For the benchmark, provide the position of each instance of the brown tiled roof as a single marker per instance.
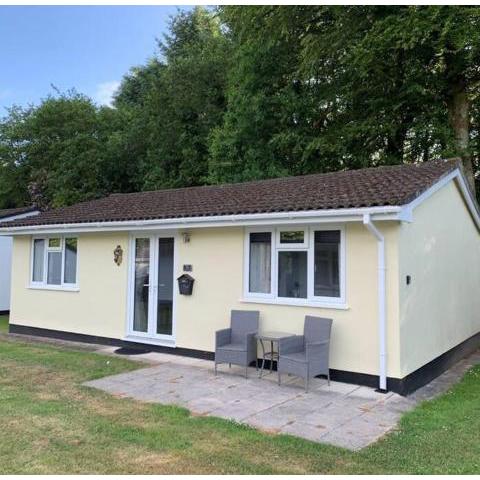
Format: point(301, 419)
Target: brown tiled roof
point(11, 212)
point(381, 186)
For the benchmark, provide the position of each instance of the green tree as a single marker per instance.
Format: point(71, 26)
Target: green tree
point(375, 85)
point(175, 100)
point(55, 154)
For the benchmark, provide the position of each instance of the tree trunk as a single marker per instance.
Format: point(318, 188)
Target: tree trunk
point(459, 114)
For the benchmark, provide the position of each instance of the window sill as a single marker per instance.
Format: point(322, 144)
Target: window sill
point(295, 303)
point(61, 288)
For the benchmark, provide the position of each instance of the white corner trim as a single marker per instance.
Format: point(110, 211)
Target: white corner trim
point(406, 214)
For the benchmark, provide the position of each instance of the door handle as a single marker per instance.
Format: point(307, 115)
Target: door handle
point(146, 284)
point(161, 284)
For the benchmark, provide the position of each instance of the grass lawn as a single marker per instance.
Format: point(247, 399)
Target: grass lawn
point(51, 424)
point(3, 323)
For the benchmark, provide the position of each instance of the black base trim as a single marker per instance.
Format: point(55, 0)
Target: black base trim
point(80, 337)
point(435, 367)
point(4, 312)
point(403, 386)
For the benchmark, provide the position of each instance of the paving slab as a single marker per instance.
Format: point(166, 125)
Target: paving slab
point(340, 414)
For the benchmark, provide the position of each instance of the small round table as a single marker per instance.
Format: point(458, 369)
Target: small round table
point(272, 337)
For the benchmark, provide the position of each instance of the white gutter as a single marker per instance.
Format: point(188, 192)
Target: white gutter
point(276, 218)
point(382, 314)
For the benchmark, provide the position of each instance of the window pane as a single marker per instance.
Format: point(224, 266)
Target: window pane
point(53, 243)
point(327, 272)
point(54, 272)
point(292, 274)
point(38, 259)
point(70, 260)
point(292, 237)
point(260, 262)
point(142, 284)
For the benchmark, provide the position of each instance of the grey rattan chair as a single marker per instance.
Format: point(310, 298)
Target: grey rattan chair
point(306, 355)
point(238, 344)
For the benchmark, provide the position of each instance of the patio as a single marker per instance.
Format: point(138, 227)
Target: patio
point(341, 414)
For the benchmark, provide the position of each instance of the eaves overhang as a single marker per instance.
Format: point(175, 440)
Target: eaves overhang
point(247, 220)
point(402, 213)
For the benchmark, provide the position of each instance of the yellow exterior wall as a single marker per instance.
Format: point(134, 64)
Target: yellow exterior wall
point(440, 250)
point(217, 259)
point(216, 254)
point(99, 308)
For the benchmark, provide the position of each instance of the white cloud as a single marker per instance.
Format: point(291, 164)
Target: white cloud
point(105, 91)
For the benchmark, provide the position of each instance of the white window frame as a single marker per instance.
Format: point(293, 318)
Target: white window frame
point(43, 285)
point(309, 247)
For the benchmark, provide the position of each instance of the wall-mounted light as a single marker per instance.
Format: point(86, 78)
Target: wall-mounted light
point(186, 237)
point(118, 255)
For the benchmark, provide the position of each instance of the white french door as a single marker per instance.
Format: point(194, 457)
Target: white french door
point(152, 271)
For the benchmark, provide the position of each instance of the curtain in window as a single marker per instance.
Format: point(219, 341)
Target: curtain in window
point(38, 259)
point(260, 262)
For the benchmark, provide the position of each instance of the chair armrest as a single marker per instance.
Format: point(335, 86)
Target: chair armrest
point(223, 337)
point(292, 344)
point(314, 349)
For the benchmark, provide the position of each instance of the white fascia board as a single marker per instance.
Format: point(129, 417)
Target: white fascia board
point(278, 218)
point(456, 175)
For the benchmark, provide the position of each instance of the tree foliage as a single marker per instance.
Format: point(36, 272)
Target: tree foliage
point(243, 93)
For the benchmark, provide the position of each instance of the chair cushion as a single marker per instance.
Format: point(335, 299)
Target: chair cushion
point(235, 347)
point(295, 357)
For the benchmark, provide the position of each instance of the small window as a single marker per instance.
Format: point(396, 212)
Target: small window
point(260, 262)
point(54, 243)
point(54, 262)
point(292, 237)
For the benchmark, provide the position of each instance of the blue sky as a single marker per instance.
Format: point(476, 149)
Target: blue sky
point(88, 48)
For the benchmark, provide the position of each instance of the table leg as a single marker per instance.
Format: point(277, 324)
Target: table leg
point(271, 356)
point(263, 357)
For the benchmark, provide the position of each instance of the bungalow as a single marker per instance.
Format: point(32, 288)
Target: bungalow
point(391, 254)
point(7, 215)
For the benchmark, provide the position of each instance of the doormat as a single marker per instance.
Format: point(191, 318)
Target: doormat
point(130, 351)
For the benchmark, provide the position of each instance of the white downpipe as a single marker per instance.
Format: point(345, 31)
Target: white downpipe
point(382, 314)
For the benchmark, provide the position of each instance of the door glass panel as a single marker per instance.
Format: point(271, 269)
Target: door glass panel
point(142, 276)
point(165, 286)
